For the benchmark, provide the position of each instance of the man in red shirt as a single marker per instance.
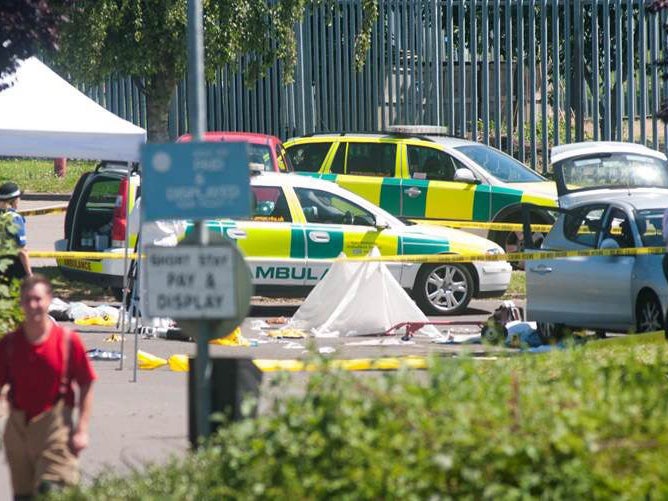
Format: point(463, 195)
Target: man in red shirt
point(39, 361)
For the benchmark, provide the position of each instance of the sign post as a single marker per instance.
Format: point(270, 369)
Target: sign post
point(207, 287)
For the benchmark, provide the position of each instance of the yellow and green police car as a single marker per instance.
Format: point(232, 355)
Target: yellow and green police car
point(427, 177)
point(300, 225)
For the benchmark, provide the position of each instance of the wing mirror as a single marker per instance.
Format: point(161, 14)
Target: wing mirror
point(381, 223)
point(464, 175)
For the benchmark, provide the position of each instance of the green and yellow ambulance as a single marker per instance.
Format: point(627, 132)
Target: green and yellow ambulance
point(300, 225)
point(428, 178)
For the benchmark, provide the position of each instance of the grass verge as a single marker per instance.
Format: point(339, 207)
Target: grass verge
point(517, 286)
point(73, 290)
point(37, 176)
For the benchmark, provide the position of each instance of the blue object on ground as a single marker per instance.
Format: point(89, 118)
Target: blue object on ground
point(98, 354)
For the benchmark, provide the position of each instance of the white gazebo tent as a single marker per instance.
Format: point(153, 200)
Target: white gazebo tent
point(43, 116)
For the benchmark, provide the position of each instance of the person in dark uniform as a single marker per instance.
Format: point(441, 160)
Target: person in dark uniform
point(12, 235)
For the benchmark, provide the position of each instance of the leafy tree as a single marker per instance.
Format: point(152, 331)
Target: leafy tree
point(26, 26)
point(146, 40)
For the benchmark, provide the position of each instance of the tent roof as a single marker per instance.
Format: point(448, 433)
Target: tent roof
point(42, 115)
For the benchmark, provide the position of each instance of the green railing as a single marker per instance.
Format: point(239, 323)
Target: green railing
point(522, 75)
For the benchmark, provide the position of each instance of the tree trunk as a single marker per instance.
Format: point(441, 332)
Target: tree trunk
point(159, 92)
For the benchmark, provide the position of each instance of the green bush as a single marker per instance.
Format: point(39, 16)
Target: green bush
point(578, 424)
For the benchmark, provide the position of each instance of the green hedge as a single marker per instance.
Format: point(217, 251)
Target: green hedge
point(579, 424)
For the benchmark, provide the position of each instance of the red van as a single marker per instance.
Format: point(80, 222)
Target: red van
point(264, 149)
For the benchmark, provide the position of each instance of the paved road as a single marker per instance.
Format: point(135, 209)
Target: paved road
point(146, 420)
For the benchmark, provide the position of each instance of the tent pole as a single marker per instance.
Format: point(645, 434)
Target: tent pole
point(125, 264)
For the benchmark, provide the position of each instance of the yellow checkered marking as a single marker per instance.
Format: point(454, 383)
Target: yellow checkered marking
point(538, 200)
point(366, 187)
point(459, 203)
point(267, 240)
point(360, 244)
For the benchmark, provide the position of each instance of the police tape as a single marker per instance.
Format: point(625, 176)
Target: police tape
point(412, 258)
point(511, 256)
point(56, 209)
point(80, 255)
point(544, 228)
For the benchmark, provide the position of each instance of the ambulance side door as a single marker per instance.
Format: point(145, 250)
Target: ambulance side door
point(271, 241)
point(428, 188)
point(335, 225)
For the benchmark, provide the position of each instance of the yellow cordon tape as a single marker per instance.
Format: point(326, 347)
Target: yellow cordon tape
point(413, 258)
point(482, 226)
point(80, 255)
point(56, 209)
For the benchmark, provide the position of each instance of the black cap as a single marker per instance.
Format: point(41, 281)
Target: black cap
point(9, 191)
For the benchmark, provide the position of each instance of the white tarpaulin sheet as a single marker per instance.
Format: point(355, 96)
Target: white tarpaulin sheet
point(42, 115)
point(357, 298)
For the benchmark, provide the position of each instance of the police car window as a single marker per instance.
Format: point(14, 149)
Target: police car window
point(268, 203)
point(102, 195)
point(371, 159)
point(502, 166)
point(583, 225)
point(282, 159)
point(327, 208)
point(339, 160)
point(308, 157)
point(430, 164)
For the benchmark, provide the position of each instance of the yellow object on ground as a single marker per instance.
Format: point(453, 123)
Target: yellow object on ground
point(114, 338)
point(103, 320)
point(147, 361)
point(179, 363)
point(232, 339)
point(355, 364)
point(288, 333)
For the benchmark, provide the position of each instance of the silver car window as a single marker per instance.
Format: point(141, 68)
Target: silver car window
point(583, 225)
point(618, 227)
point(649, 223)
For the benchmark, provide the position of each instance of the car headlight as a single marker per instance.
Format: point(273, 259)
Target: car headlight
point(494, 250)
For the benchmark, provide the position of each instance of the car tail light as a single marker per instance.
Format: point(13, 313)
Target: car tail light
point(119, 221)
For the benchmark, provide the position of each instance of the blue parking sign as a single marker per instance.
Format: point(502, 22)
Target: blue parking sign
point(195, 181)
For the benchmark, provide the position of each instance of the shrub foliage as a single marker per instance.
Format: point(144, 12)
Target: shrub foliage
point(571, 425)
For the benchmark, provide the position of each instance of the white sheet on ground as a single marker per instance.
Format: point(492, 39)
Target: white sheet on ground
point(357, 298)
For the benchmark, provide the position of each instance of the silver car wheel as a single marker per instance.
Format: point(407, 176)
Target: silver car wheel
point(443, 289)
point(649, 315)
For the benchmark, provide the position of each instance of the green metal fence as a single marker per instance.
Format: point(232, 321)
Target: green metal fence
point(522, 75)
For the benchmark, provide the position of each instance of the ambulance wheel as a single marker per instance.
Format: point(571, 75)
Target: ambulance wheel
point(443, 289)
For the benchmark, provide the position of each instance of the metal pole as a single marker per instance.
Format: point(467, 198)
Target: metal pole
point(125, 266)
point(197, 126)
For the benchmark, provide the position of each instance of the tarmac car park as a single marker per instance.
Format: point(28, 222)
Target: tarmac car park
point(611, 195)
point(427, 177)
point(298, 227)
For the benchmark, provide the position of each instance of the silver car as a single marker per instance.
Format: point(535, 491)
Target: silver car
point(611, 195)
